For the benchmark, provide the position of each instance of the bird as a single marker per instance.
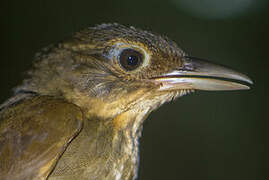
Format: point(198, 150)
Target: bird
point(79, 112)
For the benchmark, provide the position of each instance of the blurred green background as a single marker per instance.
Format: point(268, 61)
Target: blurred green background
point(206, 135)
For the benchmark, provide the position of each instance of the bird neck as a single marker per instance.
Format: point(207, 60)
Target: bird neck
point(105, 149)
point(107, 146)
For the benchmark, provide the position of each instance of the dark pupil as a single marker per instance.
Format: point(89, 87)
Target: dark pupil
point(130, 59)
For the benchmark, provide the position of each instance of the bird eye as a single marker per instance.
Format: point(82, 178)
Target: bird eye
point(130, 59)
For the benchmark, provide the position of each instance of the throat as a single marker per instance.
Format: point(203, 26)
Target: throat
point(105, 149)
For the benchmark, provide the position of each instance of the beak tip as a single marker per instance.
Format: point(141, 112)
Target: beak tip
point(246, 88)
point(245, 78)
point(250, 81)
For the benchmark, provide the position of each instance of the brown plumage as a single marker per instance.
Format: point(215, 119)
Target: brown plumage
point(79, 113)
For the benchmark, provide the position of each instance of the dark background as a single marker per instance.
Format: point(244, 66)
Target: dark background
point(206, 135)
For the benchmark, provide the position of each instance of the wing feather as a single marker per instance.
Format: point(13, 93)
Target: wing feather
point(33, 135)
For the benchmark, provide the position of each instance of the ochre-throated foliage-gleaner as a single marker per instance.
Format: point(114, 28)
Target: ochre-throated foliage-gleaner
point(79, 112)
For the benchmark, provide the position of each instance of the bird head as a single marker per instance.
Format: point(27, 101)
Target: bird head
point(122, 69)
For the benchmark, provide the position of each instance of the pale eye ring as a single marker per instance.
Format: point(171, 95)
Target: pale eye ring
point(130, 59)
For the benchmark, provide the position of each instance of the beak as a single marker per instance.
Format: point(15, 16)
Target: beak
point(202, 75)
